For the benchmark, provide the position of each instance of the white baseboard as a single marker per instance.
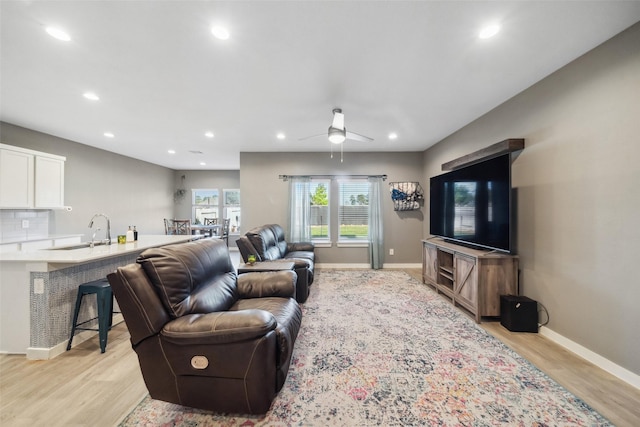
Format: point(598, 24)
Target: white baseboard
point(46, 353)
point(400, 265)
point(601, 362)
point(363, 266)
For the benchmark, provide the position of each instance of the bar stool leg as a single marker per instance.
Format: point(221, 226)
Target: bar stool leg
point(75, 317)
point(105, 298)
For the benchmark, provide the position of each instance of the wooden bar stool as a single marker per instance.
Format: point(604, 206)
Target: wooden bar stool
point(104, 300)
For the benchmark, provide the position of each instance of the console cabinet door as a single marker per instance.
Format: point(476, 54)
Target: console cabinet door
point(429, 263)
point(16, 179)
point(466, 282)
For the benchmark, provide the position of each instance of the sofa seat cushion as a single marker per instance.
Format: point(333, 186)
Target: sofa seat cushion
point(222, 327)
point(300, 262)
point(301, 254)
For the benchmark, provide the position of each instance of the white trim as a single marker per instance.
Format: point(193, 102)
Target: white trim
point(601, 362)
point(321, 243)
point(400, 265)
point(365, 266)
point(44, 353)
point(355, 244)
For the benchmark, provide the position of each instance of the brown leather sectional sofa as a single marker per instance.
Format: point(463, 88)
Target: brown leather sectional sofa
point(205, 337)
point(268, 243)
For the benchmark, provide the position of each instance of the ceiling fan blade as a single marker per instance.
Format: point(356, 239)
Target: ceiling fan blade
point(357, 137)
point(312, 136)
point(338, 120)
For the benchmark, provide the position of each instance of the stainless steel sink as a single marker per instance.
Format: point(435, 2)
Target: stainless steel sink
point(82, 245)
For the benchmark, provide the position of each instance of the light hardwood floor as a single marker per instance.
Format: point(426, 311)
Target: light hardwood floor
point(83, 387)
point(615, 399)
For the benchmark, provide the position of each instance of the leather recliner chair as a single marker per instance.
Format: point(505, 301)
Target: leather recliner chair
point(268, 243)
point(205, 337)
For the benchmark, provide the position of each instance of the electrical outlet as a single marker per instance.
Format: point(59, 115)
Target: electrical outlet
point(391, 251)
point(38, 286)
point(25, 223)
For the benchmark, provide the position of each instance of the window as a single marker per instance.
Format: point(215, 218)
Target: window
point(231, 200)
point(353, 211)
point(204, 204)
point(319, 215)
point(335, 208)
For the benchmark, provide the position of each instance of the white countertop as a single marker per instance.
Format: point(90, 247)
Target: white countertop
point(39, 238)
point(78, 256)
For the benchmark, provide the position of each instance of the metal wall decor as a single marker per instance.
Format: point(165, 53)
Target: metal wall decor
point(406, 196)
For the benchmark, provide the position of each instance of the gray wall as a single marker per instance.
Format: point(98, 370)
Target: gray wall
point(265, 196)
point(578, 199)
point(226, 179)
point(129, 191)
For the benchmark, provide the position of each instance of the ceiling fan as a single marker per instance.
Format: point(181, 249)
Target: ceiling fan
point(337, 133)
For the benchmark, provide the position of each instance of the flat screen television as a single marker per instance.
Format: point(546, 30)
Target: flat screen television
point(472, 205)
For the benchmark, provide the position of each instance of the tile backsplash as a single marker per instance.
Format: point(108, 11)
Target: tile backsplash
point(11, 224)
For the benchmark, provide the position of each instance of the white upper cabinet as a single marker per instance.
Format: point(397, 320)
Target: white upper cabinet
point(49, 182)
point(16, 179)
point(30, 179)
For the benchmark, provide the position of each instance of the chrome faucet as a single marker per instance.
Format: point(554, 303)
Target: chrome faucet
point(93, 238)
point(108, 227)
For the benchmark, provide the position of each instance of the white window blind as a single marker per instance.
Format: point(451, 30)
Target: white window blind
point(319, 213)
point(353, 211)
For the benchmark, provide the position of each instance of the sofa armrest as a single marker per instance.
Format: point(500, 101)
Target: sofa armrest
point(246, 248)
point(267, 284)
point(219, 328)
point(300, 246)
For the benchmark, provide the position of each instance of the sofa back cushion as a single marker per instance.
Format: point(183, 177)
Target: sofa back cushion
point(265, 243)
point(281, 243)
point(193, 277)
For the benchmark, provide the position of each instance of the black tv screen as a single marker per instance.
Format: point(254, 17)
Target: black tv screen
point(472, 205)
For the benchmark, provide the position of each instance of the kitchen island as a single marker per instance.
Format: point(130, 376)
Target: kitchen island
point(38, 291)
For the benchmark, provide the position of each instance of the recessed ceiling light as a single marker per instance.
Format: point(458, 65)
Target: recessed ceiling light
point(171, 151)
point(109, 135)
point(203, 164)
point(220, 32)
point(58, 34)
point(209, 134)
point(281, 135)
point(92, 96)
point(489, 31)
point(393, 135)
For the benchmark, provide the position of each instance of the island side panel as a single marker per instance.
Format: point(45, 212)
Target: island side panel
point(52, 311)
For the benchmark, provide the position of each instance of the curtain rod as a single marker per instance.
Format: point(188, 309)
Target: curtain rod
point(286, 177)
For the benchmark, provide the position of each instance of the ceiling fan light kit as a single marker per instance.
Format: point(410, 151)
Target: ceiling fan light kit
point(336, 136)
point(337, 133)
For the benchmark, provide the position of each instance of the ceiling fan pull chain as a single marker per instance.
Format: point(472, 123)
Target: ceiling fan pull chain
point(341, 145)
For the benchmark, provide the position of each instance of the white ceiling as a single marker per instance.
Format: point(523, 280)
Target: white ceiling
point(416, 68)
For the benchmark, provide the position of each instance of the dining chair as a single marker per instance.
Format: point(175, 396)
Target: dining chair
point(169, 228)
point(182, 226)
point(225, 230)
point(211, 221)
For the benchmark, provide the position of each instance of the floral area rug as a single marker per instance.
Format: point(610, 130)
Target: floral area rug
point(379, 348)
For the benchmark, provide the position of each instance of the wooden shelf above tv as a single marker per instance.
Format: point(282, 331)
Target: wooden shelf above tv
point(503, 147)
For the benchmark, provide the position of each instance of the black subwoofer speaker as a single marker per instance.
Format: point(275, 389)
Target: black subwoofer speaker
point(518, 314)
